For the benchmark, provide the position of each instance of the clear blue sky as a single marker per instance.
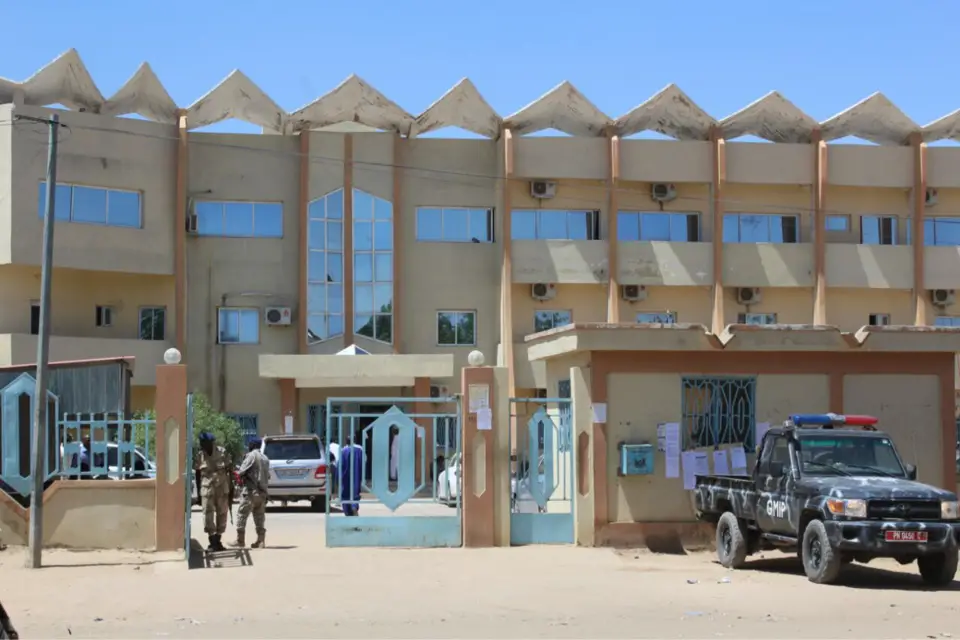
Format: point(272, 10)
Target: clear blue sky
point(823, 55)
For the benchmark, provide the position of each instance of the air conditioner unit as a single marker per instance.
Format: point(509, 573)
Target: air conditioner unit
point(633, 292)
point(663, 192)
point(748, 295)
point(439, 391)
point(942, 297)
point(278, 316)
point(543, 291)
point(543, 189)
point(191, 223)
point(931, 197)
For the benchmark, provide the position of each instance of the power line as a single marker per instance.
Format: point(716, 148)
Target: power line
point(603, 190)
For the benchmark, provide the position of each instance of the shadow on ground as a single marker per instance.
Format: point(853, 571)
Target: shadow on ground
point(855, 575)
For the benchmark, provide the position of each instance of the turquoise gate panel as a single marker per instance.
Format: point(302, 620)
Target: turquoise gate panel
point(391, 482)
point(542, 469)
point(17, 403)
point(188, 478)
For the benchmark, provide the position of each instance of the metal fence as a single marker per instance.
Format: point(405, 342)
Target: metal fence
point(105, 447)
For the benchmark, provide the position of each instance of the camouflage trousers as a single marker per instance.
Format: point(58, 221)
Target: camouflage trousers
point(252, 502)
point(216, 506)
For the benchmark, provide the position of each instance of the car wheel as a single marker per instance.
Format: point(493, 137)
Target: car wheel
point(319, 504)
point(731, 542)
point(938, 570)
point(821, 562)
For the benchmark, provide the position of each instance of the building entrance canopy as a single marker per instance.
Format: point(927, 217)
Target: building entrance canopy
point(356, 367)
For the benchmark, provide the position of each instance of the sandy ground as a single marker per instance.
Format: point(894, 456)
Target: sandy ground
point(299, 589)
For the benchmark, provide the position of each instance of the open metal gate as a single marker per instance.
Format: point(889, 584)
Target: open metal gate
point(188, 477)
point(395, 480)
point(542, 472)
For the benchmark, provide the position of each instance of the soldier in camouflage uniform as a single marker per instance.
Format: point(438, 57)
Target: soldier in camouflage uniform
point(214, 466)
point(255, 475)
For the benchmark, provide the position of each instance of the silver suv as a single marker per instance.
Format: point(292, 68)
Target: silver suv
point(298, 469)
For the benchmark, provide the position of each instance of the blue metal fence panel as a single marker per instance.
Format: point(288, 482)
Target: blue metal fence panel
point(100, 447)
point(542, 471)
point(385, 443)
point(17, 406)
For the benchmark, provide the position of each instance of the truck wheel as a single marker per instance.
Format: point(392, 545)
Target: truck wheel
point(938, 570)
point(731, 542)
point(820, 561)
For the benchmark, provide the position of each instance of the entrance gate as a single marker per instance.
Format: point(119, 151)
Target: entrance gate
point(541, 479)
point(188, 477)
point(400, 469)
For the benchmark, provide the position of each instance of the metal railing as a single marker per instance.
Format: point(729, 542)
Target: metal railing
point(718, 411)
point(105, 447)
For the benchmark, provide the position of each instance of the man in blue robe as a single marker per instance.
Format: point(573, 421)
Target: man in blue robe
point(350, 466)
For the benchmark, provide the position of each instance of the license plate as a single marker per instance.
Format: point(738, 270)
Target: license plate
point(905, 536)
point(289, 473)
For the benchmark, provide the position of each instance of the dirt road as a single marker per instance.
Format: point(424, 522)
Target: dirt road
point(299, 589)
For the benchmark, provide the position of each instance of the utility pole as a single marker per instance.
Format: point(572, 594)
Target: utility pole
point(40, 418)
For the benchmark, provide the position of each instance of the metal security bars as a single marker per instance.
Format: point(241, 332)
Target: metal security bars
point(718, 411)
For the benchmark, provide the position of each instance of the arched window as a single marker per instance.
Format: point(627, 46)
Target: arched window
point(325, 267)
point(373, 266)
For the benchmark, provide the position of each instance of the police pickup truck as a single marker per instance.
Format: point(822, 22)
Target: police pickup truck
point(832, 489)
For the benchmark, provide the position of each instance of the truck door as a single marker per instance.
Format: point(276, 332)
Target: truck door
point(773, 470)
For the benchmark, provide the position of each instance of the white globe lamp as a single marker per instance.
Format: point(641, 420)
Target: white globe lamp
point(475, 359)
point(171, 356)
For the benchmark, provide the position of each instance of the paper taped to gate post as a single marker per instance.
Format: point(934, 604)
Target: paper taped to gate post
point(484, 419)
point(671, 447)
point(479, 396)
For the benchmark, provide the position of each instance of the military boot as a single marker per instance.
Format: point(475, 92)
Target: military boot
point(217, 544)
point(261, 539)
point(241, 540)
point(211, 542)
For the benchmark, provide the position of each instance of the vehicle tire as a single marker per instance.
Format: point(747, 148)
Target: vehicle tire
point(938, 570)
point(731, 542)
point(821, 562)
point(319, 504)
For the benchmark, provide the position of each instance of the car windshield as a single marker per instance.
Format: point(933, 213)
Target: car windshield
point(849, 455)
point(293, 449)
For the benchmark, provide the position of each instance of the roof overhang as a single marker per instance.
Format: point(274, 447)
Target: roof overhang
point(338, 371)
point(738, 337)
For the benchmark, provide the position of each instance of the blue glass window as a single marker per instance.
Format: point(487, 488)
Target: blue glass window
point(239, 219)
point(880, 230)
point(436, 224)
point(941, 232)
point(656, 317)
point(545, 224)
point(92, 205)
point(764, 227)
point(372, 266)
point(236, 325)
point(325, 267)
point(633, 226)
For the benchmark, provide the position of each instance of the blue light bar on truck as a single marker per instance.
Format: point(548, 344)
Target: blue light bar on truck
point(831, 420)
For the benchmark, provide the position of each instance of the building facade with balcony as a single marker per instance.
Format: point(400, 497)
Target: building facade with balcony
point(341, 224)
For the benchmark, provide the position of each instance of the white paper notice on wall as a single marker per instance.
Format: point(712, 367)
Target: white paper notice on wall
point(600, 412)
point(738, 461)
point(762, 428)
point(479, 396)
point(689, 469)
point(721, 463)
point(672, 448)
point(701, 463)
point(484, 419)
point(662, 437)
point(288, 425)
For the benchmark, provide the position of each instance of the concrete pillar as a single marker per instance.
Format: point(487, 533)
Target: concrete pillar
point(171, 442)
point(582, 417)
point(421, 391)
point(478, 450)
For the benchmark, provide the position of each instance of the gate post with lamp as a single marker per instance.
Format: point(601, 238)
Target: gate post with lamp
point(173, 467)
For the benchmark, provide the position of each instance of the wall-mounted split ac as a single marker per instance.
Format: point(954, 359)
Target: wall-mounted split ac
point(191, 223)
point(543, 291)
point(543, 189)
point(439, 391)
point(663, 192)
point(748, 295)
point(278, 316)
point(633, 292)
point(942, 297)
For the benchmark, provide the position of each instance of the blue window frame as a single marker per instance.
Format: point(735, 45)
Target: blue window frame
point(944, 232)
point(633, 226)
point(249, 425)
point(880, 230)
point(93, 205)
point(947, 321)
point(372, 267)
point(544, 320)
point(239, 219)
point(325, 267)
point(763, 227)
point(718, 411)
point(656, 317)
point(549, 224)
point(839, 222)
point(454, 224)
point(238, 325)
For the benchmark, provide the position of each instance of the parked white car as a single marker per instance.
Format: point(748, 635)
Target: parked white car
point(450, 485)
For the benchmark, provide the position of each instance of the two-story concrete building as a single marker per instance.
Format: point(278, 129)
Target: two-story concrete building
point(341, 224)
